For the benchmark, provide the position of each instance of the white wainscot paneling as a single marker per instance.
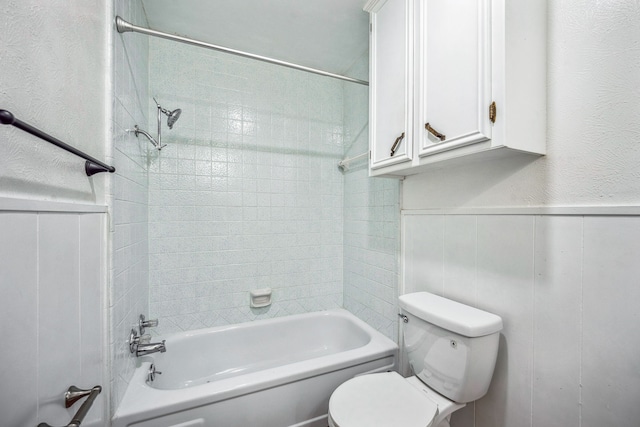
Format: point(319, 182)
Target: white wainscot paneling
point(422, 253)
point(460, 258)
point(505, 287)
point(558, 287)
point(566, 287)
point(51, 315)
point(611, 341)
point(18, 287)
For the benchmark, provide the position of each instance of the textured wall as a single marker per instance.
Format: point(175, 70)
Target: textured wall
point(593, 135)
point(54, 59)
point(55, 76)
point(129, 275)
point(371, 220)
point(247, 194)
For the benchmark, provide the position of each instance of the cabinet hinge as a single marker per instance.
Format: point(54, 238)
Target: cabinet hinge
point(492, 112)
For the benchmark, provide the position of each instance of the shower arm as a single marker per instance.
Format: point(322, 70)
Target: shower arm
point(151, 139)
point(156, 143)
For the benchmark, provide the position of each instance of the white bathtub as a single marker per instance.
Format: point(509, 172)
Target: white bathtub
point(270, 373)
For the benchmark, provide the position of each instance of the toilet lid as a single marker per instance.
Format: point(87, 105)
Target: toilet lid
point(381, 400)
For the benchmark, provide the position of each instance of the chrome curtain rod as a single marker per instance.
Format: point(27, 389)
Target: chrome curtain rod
point(124, 26)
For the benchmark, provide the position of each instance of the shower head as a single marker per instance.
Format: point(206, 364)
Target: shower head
point(173, 116)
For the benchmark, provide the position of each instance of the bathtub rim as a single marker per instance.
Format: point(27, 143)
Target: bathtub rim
point(143, 401)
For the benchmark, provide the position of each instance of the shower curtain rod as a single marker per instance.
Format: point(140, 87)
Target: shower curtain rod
point(124, 26)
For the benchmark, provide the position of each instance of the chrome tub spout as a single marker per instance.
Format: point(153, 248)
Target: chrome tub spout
point(141, 345)
point(153, 347)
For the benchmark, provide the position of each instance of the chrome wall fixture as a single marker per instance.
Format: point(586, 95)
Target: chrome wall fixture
point(345, 163)
point(74, 394)
point(172, 117)
point(140, 344)
point(124, 26)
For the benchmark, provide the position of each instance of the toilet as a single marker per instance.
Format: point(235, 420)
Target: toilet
point(451, 349)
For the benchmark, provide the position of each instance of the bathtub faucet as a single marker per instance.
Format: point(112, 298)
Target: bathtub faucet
point(152, 347)
point(141, 346)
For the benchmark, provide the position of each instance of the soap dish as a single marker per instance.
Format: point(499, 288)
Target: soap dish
point(260, 297)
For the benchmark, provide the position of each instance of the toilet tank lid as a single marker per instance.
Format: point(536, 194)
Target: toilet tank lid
point(451, 315)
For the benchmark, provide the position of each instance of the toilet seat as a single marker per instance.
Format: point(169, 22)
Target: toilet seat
point(381, 400)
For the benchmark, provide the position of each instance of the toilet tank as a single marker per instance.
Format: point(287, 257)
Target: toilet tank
point(450, 346)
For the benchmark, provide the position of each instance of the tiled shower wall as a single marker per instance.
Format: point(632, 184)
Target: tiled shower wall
point(247, 193)
point(371, 220)
point(129, 274)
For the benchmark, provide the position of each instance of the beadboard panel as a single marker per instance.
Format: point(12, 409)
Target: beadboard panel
point(52, 280)
point(565, 287)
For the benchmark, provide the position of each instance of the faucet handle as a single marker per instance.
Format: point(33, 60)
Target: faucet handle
point(134, 339)
point(142, 323)
point(151, 375)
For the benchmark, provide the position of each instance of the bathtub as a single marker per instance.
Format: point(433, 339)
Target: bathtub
point(269, 373)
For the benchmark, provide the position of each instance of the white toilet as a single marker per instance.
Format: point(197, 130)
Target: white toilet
point(451, 349)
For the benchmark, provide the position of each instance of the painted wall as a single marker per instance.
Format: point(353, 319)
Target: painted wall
point(564, 285)
point(247, 193)
point(54, 58)
point(371, 219)
point(129, 272)
point(55, 75)
point(592, 109)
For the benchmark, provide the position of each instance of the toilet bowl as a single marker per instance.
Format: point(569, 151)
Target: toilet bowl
point(451, 349)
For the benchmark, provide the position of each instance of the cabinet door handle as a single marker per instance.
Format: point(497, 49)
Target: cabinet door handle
point(394, 147)
point(434, 132)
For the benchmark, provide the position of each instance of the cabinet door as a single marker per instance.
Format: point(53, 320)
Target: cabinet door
point(391, 85)
point(454, 74)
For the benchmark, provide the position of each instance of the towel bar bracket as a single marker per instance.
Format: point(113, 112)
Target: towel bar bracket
point(72, 395)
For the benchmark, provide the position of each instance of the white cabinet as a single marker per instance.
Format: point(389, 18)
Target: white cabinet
point(455, 78)
point(391, 85)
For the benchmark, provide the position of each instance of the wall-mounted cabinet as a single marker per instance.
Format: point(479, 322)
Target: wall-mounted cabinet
point(450, 79)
